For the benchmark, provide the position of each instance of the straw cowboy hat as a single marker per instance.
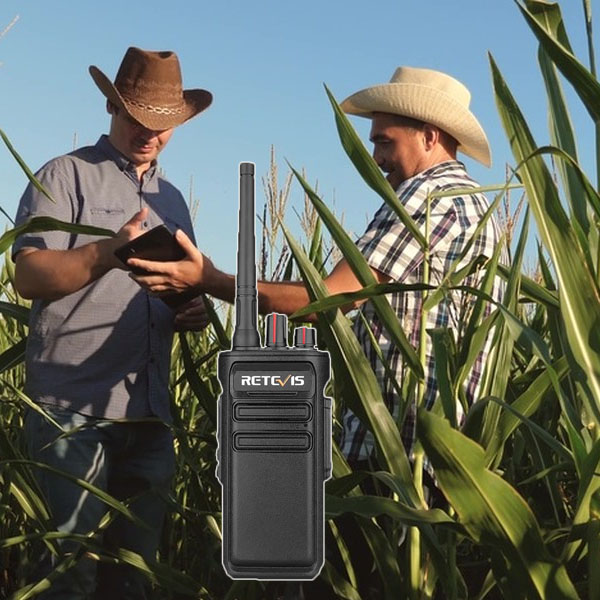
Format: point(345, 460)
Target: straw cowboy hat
point(149, 88)
point(428, 96)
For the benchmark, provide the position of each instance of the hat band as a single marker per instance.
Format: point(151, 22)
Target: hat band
point(159, 110)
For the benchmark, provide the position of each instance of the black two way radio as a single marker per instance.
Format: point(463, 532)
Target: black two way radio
point(274, 433)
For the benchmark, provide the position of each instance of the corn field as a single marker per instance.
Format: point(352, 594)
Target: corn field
point(518, 516)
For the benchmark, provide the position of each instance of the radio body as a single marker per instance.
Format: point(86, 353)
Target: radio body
point(275, 456)
point(273, 432)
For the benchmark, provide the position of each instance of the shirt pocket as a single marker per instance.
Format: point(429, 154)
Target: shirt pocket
point(109, 218)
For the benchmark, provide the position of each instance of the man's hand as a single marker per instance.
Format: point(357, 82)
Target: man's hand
point(191, 316)
point(128, 232)
point(193, 271)
point(51, 274)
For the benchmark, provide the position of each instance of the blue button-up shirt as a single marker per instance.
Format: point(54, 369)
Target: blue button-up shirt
point(105, 349)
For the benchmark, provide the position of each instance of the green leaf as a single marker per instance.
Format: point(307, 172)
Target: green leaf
point(555, 44)
point(368, 169)
point(25, 168)
point(341, 587)
point(49, 224)
point(368, 292)
point(32, 405)
point(525, 405)
point(27, 496)
point(342, 485)
point(497, 369)
point(534, 344)
point(589, 486)
point(364, 274)
point(33, 589)
point(385, 557)
point(161, 574)
point(222, 337)
point(316, 248)
point(578, 292)
point(200, 389)
point(374, 506)
point(390, 374)
point(344, 553)
point(561, 131)
point(554, 444)
point(475, 345)
point(548, 15)
point(15, 311)
point(349, 362)
point(474, 340)
point(13, 355)
point(441, 338)
point(491, 510)
point(531, 289)
point(99, 493)
point(591, 195)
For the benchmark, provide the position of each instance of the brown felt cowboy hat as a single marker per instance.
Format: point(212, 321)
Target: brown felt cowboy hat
point(149, 88)
point(429, 96)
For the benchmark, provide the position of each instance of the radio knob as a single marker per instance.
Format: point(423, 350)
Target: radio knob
point(276, 331)
point(305, 337)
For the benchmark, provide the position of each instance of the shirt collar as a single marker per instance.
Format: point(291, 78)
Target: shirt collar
point(442, 168)
point(124, 164)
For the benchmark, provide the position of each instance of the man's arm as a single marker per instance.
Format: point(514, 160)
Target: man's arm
point(197, 271)
point(287, 298)
point(52, 274)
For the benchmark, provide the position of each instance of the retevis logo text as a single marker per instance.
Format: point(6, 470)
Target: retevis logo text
point(255, 380)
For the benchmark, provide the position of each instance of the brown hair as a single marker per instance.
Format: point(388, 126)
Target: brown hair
point(449, 143)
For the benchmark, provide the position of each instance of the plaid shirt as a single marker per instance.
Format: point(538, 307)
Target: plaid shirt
point(391, 249)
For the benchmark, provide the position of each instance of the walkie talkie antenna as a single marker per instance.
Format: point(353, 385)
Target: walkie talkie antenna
point(246, 328)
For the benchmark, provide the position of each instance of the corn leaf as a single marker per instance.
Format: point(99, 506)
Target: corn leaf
point(368, 169)
point(578, 292)
point(561, 131)
point(353, 366)
point(373, 506)
point(491, 510)
point(92, 489)
point(13, 355)
point(341, 587)
point(25, 168)
point(364, 274)
point(222, 337)
point(199, 387)
point(531, 289)
point(526, 405)
point(543, 24)
point(49, 224)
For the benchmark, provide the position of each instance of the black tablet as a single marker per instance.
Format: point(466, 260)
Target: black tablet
point(158, 244)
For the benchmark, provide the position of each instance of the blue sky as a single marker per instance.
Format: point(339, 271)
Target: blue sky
point(265, 62)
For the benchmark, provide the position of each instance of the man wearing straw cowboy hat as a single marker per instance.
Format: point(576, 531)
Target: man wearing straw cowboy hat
point(419, 120)
point(98, 346)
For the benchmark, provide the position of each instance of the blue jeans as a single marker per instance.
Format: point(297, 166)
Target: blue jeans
point(123, 459)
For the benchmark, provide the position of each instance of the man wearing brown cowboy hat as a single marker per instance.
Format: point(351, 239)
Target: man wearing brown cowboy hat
point(98, 346)
point(419, 120)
